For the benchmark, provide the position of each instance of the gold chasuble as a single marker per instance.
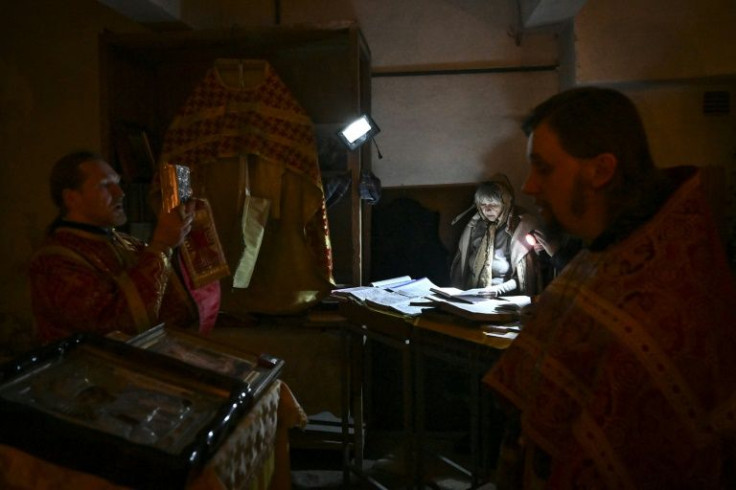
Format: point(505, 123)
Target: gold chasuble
point(241, 127)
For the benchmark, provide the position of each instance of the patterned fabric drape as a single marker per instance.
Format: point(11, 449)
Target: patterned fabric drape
point(220, 122)
point(128, 289)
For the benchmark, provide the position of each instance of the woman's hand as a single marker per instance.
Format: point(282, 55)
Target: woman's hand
point(487, 292)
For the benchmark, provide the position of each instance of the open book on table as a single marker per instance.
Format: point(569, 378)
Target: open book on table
point(455, 294)
point(396, 295)
point(410, 297)
point(490, 310)
point(478, 295)
point(468, 304)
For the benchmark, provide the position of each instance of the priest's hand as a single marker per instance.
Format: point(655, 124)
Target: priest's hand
point(173, 226)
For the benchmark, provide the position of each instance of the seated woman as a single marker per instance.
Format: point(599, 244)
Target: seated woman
point(493, 252)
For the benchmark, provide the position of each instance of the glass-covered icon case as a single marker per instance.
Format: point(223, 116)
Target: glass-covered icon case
point(258, 370)
point(130, 415)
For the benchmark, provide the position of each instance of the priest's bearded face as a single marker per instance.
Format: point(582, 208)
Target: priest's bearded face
point(555, 182)
point(99, 200)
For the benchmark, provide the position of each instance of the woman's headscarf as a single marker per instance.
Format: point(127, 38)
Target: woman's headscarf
point(496, 190)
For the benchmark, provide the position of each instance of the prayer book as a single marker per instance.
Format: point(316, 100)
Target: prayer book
point(204, 257)
point(398, 295)
point(490, 310)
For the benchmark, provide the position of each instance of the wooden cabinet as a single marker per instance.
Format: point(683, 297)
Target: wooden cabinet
point(147, 77)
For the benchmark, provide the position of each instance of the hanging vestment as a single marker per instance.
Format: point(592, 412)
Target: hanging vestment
point(625, 371)
point(222, 127)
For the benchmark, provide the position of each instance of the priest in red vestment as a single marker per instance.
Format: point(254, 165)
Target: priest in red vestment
point(624, 373)
point(88, 277)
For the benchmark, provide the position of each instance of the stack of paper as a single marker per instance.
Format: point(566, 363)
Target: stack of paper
point(410, 297)
point(396, 295)
point(483, 309)
point(490, 310)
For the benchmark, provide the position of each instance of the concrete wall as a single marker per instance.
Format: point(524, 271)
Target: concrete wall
point(463, 126)
point(655, 40)
point(666, 54)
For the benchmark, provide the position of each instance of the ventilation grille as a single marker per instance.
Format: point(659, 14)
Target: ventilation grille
point(716, 103)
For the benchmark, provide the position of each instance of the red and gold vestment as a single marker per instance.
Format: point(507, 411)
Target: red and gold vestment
point(625, 372)
point(89, 280)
